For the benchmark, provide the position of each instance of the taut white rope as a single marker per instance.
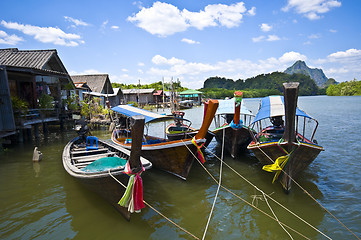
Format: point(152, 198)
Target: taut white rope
point(215, 197)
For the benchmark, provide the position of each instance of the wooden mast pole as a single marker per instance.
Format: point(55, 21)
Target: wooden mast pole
point(237, 106)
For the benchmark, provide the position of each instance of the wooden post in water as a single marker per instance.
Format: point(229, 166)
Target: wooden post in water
point(137, 137)
point(36, 131)
point(290, 98)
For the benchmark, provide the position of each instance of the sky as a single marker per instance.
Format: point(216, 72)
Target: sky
point(148, 41)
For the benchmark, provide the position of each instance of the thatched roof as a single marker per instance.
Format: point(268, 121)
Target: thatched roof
point(99, 83)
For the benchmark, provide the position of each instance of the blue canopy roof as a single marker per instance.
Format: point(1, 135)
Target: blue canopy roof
point(130, 111)
point(273, 106)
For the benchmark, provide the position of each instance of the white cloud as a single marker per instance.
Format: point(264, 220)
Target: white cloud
point(266, 27)
point(46, 34)
point(104, 25)
point(350, 55)
point(314, 36)
point(189, 41)
point(76, 22)
point(340, 70)
point(9, 39)
point(123, 78)
point(258, 39)
point(114, 27)
point(164, 19)
point(252, 11)
point(292, 57)
point(161, 19)
point(159, 60)
point(333, 30)
point(272, 38)
point(342, 65)
point(312, 9)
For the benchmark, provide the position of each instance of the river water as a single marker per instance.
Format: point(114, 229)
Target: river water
point(40, 201)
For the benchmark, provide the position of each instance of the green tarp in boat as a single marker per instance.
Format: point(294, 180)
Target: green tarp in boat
point(106, 163)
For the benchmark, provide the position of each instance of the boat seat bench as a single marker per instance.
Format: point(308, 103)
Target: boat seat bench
point(89, 151)
point(92, 157)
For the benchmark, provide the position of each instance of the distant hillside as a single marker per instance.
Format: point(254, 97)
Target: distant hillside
point(316, 74)
point(271, 82)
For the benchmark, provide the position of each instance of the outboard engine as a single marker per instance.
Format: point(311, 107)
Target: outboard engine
point(82, 129)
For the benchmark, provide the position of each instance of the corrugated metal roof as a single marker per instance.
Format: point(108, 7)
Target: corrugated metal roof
point(45, 60)
point(25, 58)
point(190, 91)
point(136, 91)
point(158, 93)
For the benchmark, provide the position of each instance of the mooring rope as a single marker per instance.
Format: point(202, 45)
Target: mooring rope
point(169, 220)
point(245, 201)
point(264, 194)
point(307, 193)
point(219, 185)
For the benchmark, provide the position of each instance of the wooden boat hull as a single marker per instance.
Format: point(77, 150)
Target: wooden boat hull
point(101, 182)
point(236, 140)
point(175, 157)
point(303, 155)
point(110, 190)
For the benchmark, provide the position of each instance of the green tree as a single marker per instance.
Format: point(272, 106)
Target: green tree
point(350, 88)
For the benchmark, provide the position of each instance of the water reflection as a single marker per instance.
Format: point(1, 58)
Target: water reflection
point(36, 167)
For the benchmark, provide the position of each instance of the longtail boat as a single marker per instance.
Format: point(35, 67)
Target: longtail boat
point(284, 148)
point(231, 130)
point(175, 157)
point(185, 104)
point(95, 163)
point(181, 128)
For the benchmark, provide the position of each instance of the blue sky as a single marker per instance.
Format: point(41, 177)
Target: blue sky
point(189, 40)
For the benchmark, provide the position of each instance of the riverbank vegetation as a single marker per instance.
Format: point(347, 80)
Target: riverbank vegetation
point(259, 86)
point(351, 88)
point(157, 86)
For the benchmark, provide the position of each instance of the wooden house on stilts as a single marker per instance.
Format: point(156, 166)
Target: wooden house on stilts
point(27, 78)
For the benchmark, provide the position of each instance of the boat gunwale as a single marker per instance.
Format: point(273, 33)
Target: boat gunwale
point(162, 145)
